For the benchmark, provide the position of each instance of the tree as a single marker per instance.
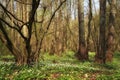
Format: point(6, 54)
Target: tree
point(31, 53)
point(100, 55)
point(82, 53)
point(89, 24)
point(111, 31)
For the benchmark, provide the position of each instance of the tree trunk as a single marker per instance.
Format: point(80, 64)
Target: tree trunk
point(89, 25)
point(82, 53)
point(111, 32)
point(19, 58)
point(100, 56)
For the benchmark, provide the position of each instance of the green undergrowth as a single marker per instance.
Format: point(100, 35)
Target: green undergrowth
point(62, 67)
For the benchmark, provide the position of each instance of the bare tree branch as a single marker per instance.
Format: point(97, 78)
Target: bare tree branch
point(8, 43)
point(8, 24)
point(23, 2)
point(14, 28)
point(48, 26)
point(10, 13)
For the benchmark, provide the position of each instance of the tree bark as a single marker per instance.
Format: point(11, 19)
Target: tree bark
point(111, 32)
point(89, 25)
point(82, 53)
point(100, 56)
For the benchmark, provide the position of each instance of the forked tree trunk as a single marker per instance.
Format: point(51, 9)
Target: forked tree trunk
point(20, 57)
point(24, 59)
point(14, 50)
point(28, 56)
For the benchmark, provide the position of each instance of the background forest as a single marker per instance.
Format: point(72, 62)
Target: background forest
point(59, 39)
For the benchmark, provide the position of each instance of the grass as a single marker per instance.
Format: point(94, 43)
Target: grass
point(64, 67)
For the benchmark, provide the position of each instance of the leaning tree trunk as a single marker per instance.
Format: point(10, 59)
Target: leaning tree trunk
point(82, 53)
point(100, 55)
point(19, 58)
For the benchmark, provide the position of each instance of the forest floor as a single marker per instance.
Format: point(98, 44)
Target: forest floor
point(64, 67)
